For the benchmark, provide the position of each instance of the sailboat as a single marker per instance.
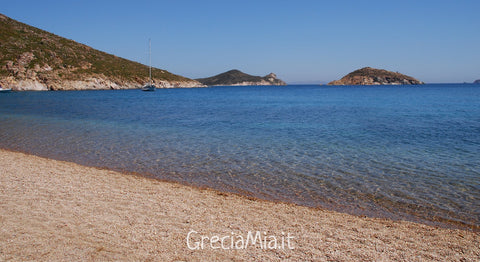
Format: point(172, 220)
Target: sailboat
point(150, 86)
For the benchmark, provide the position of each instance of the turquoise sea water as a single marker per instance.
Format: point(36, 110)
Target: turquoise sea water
point(408, 152)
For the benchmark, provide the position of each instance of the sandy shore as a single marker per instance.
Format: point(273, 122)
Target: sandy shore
point(54, 210)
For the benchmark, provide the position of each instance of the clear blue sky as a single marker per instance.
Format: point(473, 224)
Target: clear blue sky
point(434, 41)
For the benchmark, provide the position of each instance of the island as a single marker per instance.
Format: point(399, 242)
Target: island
point(476, 81)
point(33, 59)
point(238, 78)
point(373, 76)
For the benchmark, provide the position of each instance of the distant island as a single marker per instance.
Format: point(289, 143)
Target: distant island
point(372, 76)
point(238, 78)
point(33, 59)
point(476, 81)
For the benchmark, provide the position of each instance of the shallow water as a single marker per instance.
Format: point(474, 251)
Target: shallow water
point(410, 152)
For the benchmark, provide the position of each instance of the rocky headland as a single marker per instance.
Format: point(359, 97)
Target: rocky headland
point(238, 78)
point(372, 76)
point(33, 59)
point(476, 81)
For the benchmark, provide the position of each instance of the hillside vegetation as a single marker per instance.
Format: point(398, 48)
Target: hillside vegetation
point(33, 56)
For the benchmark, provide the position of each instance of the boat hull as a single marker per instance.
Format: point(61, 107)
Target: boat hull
point(148, 88)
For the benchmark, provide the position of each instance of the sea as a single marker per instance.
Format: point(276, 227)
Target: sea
point(399, 152)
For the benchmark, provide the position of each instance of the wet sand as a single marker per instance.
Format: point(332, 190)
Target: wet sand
point(54, 210)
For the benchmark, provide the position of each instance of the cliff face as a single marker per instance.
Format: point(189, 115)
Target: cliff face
point(238, 78)
point(372, 76)
point(33, 59)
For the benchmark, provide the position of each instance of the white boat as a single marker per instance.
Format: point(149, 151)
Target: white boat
point(5, 90)
point(150, 86)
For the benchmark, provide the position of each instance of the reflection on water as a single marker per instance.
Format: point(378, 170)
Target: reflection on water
point(409, 152)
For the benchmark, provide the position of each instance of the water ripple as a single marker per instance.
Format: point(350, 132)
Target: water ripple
point(409, 153)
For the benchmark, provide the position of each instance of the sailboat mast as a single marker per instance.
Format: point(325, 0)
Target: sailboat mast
point(150, 60)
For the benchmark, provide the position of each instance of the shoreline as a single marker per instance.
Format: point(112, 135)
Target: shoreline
point(408, 217)
point(56, 210)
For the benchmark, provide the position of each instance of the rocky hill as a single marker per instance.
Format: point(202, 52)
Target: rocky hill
point(372, 76)
point(33, 59)
point(476, 81)
point(238, 78)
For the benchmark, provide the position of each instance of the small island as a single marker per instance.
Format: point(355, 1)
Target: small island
point(476, 81)
point(372, 76)
point(239, 78)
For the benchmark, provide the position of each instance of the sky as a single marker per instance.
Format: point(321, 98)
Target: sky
point(301, 41)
